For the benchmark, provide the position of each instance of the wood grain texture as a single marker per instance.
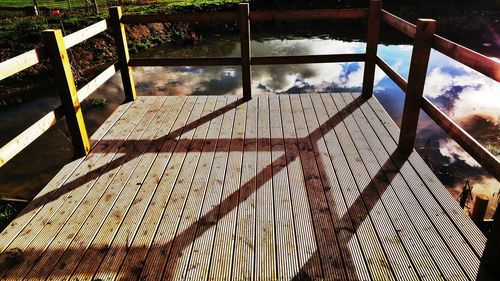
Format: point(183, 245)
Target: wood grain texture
point(416, 82)
point(372, 41)
point(65, 83)
point(115, 15)
point(220, 188)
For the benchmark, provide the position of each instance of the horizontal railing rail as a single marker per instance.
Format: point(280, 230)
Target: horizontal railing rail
point(315, 14)
point(254, 61)
point(392, 74)
point(21, 62)
point(318, 14)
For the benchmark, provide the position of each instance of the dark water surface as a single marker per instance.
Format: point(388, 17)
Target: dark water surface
point(468, 97)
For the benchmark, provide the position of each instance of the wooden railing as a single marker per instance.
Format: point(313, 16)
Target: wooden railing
point(415, 100)
point(422, 33)
point(55, 47)
point(424, 41)
point(244, 17)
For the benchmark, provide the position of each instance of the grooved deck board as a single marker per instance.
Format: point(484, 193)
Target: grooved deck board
point(280, 187)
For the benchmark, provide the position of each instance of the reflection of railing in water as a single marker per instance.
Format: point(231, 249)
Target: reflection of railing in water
point(423, 33)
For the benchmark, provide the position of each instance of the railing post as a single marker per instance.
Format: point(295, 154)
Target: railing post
point(246, 73)
point(416, 81)
point(371, 47)
point(489, 269)
point(115, 14)
point(54, 44)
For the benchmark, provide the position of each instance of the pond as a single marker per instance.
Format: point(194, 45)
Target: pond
point(468, 97)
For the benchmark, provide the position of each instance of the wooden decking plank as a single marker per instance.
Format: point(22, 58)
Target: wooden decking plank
point(108, 124)
point(373, 194)
point(55, 213)
point(243, 258)
point(159, 251)
point(471, 233)
point(335, 173)
point(373, 180)
point(36, 204)
point(328, 179)
point(329, 252)
point(202, 246)
point(372, 249)
point(286, 246)
point(85, 262)
point(176, 266)
point(385, 176)
point(63, 229)
point(224, 239)
point(89, 216)
point(279, 187)
point(112, 259)
point(162, 172)
point(429, 241)
point(452, 235)
point(265, 247)
point(307, 248)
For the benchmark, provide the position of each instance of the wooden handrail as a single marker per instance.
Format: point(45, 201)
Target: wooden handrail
point(470, 58)
point(21, 62)
point(19, 143)
point(184, 61)
point(317, 14)
point(308, 59)
point(255, 60)
point(399, 24)
point(395, 77)
point(98, 81)
point(190, 17)
point(466, 141)
point(88, 32)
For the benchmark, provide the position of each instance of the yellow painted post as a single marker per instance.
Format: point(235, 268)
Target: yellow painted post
point(371, 47)
point(416, 80)
point(54, 45)
point(115, 14)
point(246, 73)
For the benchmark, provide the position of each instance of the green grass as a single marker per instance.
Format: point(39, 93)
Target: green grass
point(65, 4)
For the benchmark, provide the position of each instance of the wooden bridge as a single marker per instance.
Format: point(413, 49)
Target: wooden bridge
point(303, 187)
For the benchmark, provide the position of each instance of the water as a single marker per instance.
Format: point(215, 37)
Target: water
point(468, 97)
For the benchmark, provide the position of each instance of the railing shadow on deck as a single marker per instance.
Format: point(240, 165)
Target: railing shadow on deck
point(367, 199)
point(96, 172)
point(55, 46)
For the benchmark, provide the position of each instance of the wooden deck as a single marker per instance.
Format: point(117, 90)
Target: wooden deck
point(280, 187)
